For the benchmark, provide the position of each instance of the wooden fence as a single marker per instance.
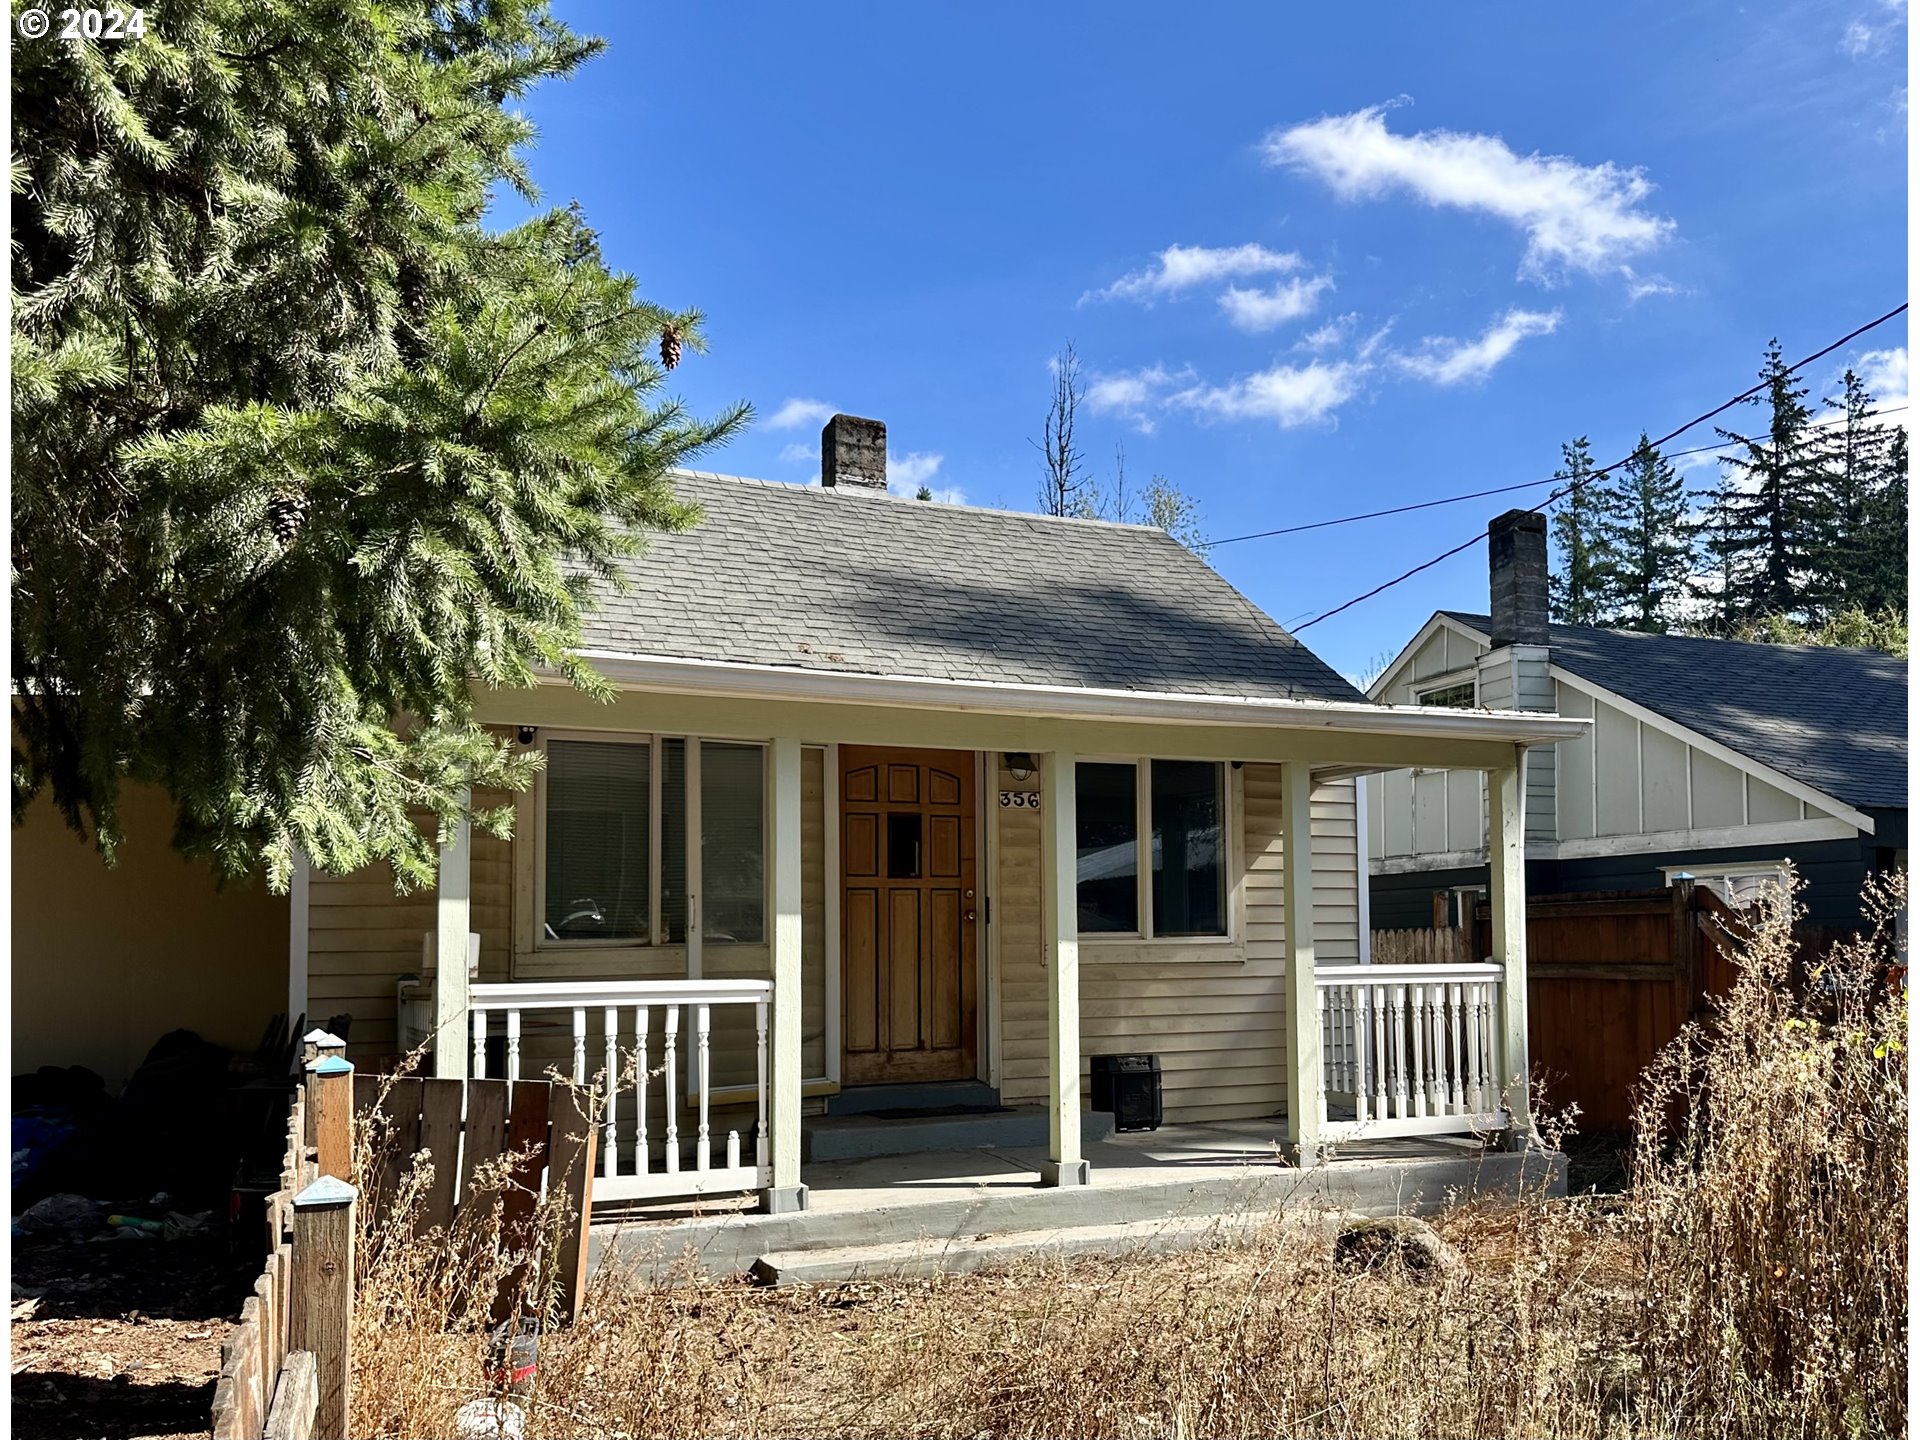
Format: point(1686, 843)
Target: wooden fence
point(286, 1369)
point(1423, 947)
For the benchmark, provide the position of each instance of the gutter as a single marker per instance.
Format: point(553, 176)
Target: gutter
point(776, 682)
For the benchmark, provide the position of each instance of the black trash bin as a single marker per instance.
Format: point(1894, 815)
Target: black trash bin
point(1128, 1088)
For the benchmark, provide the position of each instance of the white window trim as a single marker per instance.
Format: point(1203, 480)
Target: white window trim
point(1775, 870)
point(1143, 935)
point(656, 940)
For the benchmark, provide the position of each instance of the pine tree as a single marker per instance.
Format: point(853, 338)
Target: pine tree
point(1761, 525)
point(1644, 532)
point(1859, 556)
point(300, 444)
point(1575, 586)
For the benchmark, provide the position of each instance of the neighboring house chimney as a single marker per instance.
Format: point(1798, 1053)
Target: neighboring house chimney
point(853, 454)
point(1517, 578)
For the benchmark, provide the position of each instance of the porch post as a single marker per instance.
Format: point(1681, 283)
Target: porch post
point(452, 921)
point(1303, 1012)
point(1059, 888)
point(786, 1194)
point(1507, 899)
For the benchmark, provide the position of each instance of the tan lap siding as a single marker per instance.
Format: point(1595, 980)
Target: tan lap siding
point(1218, 1026)
point(362, 937)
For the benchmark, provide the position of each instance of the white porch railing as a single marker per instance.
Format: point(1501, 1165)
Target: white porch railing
point(1413, 1049)
point(625, 1056)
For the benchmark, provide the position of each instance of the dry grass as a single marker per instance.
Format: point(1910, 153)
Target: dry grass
point(1752, 1282)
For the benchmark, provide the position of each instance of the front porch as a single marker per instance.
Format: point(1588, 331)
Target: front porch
point(707, 1079)
point(1183, 1185)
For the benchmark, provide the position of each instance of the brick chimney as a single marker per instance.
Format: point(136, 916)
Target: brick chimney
point(853, 454)
point(1517, 578)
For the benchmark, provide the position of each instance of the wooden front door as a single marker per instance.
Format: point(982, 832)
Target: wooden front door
point(908, 915)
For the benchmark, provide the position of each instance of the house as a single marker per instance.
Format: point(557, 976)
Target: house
point(1714, 760)
point(913, 808)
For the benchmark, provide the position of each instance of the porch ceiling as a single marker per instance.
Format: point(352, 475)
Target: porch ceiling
point(751, 702)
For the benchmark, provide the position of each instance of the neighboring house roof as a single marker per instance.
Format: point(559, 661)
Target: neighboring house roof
point(1832, 718)
point(867, 584)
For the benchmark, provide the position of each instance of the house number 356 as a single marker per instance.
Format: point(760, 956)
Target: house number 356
point(1019, 799)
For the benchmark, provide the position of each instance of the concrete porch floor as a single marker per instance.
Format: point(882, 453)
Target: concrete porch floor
point(905, 1214)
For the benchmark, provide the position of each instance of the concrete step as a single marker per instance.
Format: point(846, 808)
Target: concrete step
point(917, 1258)
point(862, 1137)
point(935, 1095)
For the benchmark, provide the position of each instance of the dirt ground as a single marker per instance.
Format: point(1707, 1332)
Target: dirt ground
point(120, 1339)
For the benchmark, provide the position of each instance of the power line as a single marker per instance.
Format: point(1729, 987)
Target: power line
point(1482, 494)
point(1700, 419)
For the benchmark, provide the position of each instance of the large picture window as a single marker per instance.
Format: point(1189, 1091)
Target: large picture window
point(617, 864)
point(1181, 806)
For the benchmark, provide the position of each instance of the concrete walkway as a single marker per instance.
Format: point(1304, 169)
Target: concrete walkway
point(1179, 1173)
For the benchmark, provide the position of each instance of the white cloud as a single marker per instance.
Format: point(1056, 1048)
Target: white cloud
point(1884, 373)
point(1330, 334)
point(1640, 287)
point(1261, 310)
point(796, 452)
point(797, 412)
point(1289, 395)
point(1182, 267)
point(1133, 394)
point(1860, 39)
point(1581, 217)
point(907, 473)
point(1448, 362)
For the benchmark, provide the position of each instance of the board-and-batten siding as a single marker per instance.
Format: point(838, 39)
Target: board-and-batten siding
point(1622, 777)
point(1219, 1026)
point(362, 938)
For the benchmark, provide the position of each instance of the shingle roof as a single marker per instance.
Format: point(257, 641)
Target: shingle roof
point(1832, 718)
point(823, 579)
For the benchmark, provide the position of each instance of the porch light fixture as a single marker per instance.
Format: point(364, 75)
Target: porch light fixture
point(1019, 764)
point(527, 732)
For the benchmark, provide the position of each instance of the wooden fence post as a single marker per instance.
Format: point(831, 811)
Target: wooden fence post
point(331, 1087)
point(322, 1320)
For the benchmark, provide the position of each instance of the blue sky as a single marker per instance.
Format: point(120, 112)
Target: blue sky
point(1315, 260)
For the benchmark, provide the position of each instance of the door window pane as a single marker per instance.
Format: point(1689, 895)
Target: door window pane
point(903, 845)
point(1105, 823)
point(733, 846)
point(597, 835)
point(1189, 860)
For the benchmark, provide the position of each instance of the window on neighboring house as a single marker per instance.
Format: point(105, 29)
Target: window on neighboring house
point(1458, 696)
point(615, 831)
point(1741, 886)
point(1181, 806)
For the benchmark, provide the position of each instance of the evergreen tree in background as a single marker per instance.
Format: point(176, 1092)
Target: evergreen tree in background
point(299, 445)
point(1576, 585)
point(1761, 525)
point(1859, 556)
point(1646, 538)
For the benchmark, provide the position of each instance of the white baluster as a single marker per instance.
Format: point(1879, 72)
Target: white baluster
point(610, 1149)
point(579, 1046)
point(703, 1026)
point(1397, 999)
point(733, 1149)
point(479, 1044)
point(513, 1047)
point(1457, 1034)
point(1475, 1075)
point(1326, 1039)
point(670, 1039)
point(1357, 997)
point(1419, 1001)
point(641, 1163)
point(760, 1046)
point(1378, 1001)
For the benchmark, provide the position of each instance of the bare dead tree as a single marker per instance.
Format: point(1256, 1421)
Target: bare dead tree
point(1060, 491)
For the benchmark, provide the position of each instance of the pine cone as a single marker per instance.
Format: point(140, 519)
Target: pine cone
point(670, 346)
point(284, 515)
